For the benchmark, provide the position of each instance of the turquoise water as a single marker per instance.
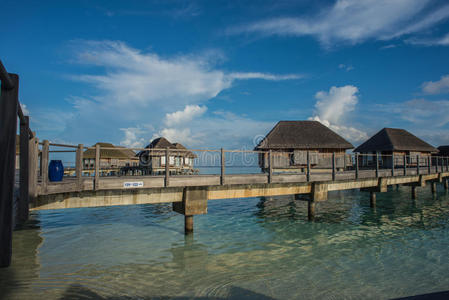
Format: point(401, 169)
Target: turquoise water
point(242, 249)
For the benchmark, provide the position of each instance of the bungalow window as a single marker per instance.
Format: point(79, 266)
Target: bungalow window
point(163, 160)
point(172, 160)
point(177, 161)
point(186, 160)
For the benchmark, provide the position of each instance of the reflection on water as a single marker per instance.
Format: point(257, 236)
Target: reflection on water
point(260, 248)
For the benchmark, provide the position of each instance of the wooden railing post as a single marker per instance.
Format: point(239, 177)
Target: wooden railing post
point(270, 166)
point(356, 166)
point(308, 165)
point(377, 164)
point(44, 166)
point(223, 161)
point(392, 164)
point(8, 124)
point(429, 164)
point(23, 204)
point(167, 166)
point(417, 164)
point(97, 166)
point(333, 166)
point(79, 166)
point(405, 164)
point(33, 159)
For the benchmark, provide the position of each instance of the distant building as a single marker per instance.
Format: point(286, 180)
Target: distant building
point(443, 151)
point(290, 141)
point(395, 141)
point(110, 158)
point(180, 162)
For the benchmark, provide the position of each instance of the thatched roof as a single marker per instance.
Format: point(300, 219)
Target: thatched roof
point(444, 150)
point(302, 135)
point(118, 153)
point(163, 143)
point(395, 139)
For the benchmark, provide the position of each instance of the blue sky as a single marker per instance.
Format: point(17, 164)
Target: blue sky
point(215, 74)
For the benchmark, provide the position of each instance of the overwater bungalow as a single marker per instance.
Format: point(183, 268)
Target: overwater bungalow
point(180, 162)
point(110, 158)
point(291, 140)
point(443, 151)
point(399, 142)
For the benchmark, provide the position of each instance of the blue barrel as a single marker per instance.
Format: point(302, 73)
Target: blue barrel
point(55, 170)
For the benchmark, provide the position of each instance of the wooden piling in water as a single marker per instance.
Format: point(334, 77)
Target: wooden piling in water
point(311, 210)
point(23, 203)
point(8, 123)
point(372, 199)
point(188, 224)
point(433, 187)
point(414, 192)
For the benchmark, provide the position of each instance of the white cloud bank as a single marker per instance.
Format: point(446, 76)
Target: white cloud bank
point(437, 87)
point(141, 94)
point(355, 21)
point(333, 107)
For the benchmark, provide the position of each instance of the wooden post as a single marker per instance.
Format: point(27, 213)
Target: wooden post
point(333, 166)
point(97, 166)
point(8, 124)
point(44, 165)
point(79, 166)
point(417, 164)
point(223, 162)
point(433, 187)
point(33, 159)
point(429, 164)
point(377, 164)
point(392, 164)
point(167, 166)
point(188, 224)
point(356, 166)
point(446, 185)
point(372, 199)
point(270, 166)
point(23, 204)
point(311, 210)
point(414, 193)
point(405, 164)
point(308, 165)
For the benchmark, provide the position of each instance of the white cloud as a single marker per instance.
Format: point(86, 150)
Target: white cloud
point(441, 41)
point(420, 112)
point(135, 136)
point(347, 68)
point(264, 76)
point(184, 116)
point(334, 106)
point(437, 87)
point(355, 21)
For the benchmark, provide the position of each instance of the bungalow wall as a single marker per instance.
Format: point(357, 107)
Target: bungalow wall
point(368, 159)
point(297, 158)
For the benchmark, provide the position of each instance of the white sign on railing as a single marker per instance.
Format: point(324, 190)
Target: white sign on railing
point(133, 184)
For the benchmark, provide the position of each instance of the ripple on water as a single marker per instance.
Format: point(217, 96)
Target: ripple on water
point(255, 248)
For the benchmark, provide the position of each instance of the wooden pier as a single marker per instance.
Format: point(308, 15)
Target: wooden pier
point(188, 193)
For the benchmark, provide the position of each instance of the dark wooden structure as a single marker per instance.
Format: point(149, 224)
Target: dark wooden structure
point(9, 111)
point(395, 147)
point(301, 145)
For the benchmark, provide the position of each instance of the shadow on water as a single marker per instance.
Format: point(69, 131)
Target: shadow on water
point(76, 291)
point(24, 267)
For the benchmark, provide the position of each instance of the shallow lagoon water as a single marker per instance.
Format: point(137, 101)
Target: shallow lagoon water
point(256, 248)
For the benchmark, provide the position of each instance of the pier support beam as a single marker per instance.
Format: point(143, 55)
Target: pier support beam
point(311, 210)
point(319, 191)
point(372, 200)
point(414, 193)
point(446, 185)
point(433, 186)
point(194, 202)
point(188, 224)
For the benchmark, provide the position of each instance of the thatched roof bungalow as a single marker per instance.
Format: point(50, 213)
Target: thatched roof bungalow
point(180, 161)
point(399, 142)
point(290, 141)
point(110, 158)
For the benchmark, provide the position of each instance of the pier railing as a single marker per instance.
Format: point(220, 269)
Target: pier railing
point(12, 211)
point(166, 163)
